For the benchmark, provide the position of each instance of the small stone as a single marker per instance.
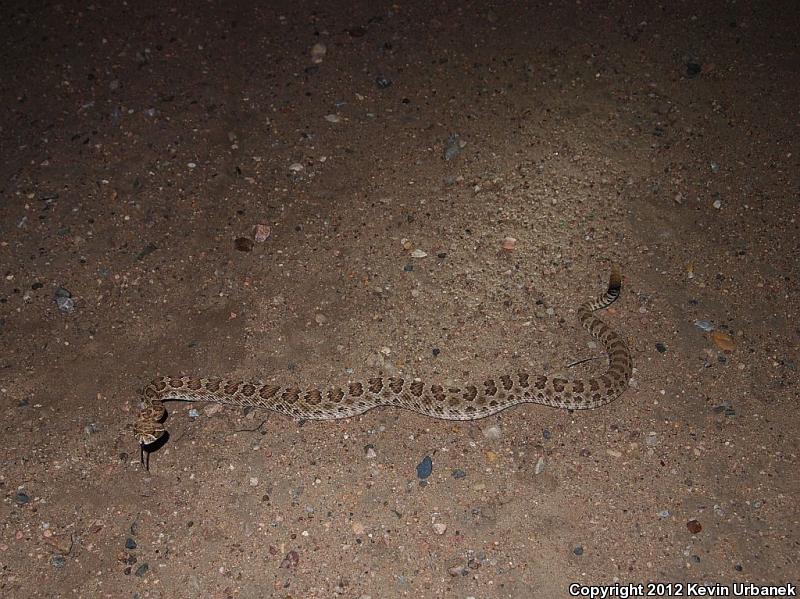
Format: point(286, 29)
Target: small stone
point(130, 543)
point(212, 409)
point(439, 528)
point(458, 473)
point(578, 550)
point(64, 300)
point(261, 233)
point(243, 244)
point(369, 451)
point(651, 439)
point(296, 167)
point(253, 481)
point(91, 428)
point(141, 570)
point(58, 561)
point(694, 526)
point(318, 52)
point(704, 325)
point(693, 69)
point(290, 560)
point(436, 351)
point(547, 434)
point(320, 318)
point(358, 528)
point(714, 167)
point(661, 348)
point(509, 243)
point(492, 432)
point(383, 82)
point(723, 341)
point(458, 571)
point(418, 254)
point(424, 468)
point(194, 413)
point(408, 268)
point(333, 118)
point(21, 498)
point(540, 464)
point(663, 514)
point(717, 204)
point(614, 453)
point(453, 147)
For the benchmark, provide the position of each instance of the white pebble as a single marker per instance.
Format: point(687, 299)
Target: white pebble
point(439, 528)
point(418, 254)
point(253, 481)
point(318, 52)
point(492, 432)
point(296, 167)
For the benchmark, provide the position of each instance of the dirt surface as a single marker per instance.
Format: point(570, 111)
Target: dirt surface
point(139, 142)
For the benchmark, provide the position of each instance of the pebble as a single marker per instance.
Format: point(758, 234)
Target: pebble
point(458, 571)
point(723, 341)
point(651, 439)
point(369, 451)
point(693, 69)
point(424, 468)
point(296, 167)
point(243, 244)
point(453, 147)
point(64, 300)
point(509, 243)
point(578, 550)
point(333, 118)
point(383, 82)
point(418, 254)
point(320, 318)
point(547, 434)
point(253, 481)
point(91, 428)
point(318, 52)
point(694, 526)
point(130, 543)
point(663, 514)
point(540, 464)
point(661, 348)
point(193, 413)
point(458, 473)
point(358, 528)
point(614, 453)
point(704, 325)
point(492, 432)
point(141, 570)
point(714, 167)
point(439, 528)
point(717, 204)
point(261, 233)
point(290, 560)
point(58, 561)
point(21, 498)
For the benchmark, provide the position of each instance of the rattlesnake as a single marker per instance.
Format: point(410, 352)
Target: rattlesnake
point(467, 402)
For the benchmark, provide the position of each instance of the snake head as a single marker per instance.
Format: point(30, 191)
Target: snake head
point(148, 431)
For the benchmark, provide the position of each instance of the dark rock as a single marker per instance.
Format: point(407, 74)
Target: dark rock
point(425, 467)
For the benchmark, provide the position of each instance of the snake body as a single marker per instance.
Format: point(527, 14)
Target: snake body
point(467, 402)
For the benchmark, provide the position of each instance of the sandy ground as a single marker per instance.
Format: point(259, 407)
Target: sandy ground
point(139, 142)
